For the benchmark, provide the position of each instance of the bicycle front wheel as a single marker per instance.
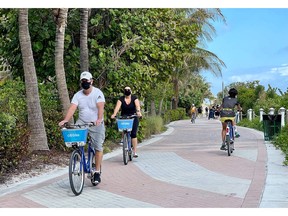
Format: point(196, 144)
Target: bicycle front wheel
point(125, 149)
point(76, 173)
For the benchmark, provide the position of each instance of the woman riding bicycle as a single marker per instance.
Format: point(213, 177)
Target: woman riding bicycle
point(227, 112)
point(129, 105)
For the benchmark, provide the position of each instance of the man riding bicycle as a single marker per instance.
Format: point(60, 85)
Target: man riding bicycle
point(227, 112)
point(193, 112)
point(90, 101)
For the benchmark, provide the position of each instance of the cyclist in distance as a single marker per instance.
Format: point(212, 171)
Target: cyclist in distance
point(227, 112)
point(90, 101)
point(193, 111)
point(129, 105)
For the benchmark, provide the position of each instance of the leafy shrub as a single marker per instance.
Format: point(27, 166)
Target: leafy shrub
point(255, 123)
point(174, 115)
point(154, 126)
point(281, 141)
point(52, 114)
point(13, 127)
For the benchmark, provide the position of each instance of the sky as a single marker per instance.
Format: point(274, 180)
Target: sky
point(253, 45)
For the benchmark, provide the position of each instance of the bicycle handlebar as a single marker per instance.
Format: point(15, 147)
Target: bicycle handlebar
point(128, 117)
point(67, 125)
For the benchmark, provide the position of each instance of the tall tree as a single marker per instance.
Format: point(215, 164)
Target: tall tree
point(84, 57)
point(198, 59)
point(38, 137)
point(60, 18)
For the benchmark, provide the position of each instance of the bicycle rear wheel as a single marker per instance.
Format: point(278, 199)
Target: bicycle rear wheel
point(76, 173)
point(125, 149)
point(228, 145)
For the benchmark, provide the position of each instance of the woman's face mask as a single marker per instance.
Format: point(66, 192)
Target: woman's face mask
point(85, 85)
point(127, 92)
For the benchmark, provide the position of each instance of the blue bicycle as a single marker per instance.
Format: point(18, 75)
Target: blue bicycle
point(230, 137)
point(75, 136)
point(125, 125)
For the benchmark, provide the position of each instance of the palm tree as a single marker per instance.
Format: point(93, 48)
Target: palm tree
point(84, 57)
point(60, 18)
point(199, 58)
point(38, 137)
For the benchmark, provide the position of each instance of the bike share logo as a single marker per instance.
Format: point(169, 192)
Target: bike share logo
point(73, 135)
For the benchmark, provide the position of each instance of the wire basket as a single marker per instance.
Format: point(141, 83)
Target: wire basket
point(125, 124)
point(75, 136)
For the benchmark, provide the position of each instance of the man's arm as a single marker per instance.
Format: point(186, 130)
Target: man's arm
point(69, 114)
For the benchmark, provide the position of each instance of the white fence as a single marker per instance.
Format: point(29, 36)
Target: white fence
point(282, 111)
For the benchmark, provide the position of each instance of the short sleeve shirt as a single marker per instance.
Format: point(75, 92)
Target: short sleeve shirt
point(87, 104)
point(229, 103)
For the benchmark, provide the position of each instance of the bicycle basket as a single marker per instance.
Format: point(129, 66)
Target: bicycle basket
point(75, 136)
point(125, 124)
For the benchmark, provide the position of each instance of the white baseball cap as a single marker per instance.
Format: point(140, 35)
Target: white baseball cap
point(86, 75)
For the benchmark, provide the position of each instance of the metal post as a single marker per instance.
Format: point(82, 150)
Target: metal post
point(249, 114)
point(271, 111)
point(261, 114)
point(282, 112)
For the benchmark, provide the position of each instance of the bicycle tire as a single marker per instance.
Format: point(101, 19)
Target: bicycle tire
point(125, 149)
point(76, 173)
point(228, 145)
point(130, 151)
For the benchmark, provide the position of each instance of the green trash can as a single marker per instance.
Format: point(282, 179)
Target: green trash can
point(271, 126)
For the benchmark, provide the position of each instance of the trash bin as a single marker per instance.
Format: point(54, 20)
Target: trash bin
point(271, 126)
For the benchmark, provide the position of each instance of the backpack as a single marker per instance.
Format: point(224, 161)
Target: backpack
point(193, 109)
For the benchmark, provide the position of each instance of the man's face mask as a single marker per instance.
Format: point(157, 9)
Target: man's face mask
point(85, 85)
point(127, 92)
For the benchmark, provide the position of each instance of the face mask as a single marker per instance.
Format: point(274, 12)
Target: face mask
point(85, 85)
point(127, 92)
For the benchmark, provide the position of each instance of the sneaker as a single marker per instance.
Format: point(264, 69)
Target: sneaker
point(97, 178)
point(237, 134)
point(223, 147)
point(135, 155)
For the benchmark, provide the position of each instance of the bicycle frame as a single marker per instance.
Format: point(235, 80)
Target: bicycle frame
point(86, 163)
point(129, 140)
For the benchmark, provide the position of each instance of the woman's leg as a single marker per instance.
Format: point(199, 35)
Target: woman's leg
point(134, 139)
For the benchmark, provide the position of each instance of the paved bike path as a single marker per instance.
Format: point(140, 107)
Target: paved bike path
point(181, 168)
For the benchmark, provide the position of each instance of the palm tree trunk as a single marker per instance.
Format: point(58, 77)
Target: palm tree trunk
point(176, 93)
point(153, 107)
point(38, 137)
point(61, 19)
point(84, 57)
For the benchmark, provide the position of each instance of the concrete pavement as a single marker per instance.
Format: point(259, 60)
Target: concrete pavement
point(181, 168)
